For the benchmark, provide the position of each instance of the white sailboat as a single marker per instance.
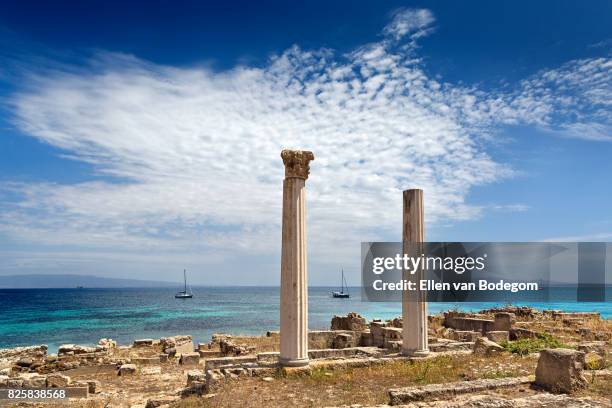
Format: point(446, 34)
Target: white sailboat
point(184, 294)
point(341, 294)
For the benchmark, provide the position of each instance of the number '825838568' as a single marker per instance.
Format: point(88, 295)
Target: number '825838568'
point(34, 393)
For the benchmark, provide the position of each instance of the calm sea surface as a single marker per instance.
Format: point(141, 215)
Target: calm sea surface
point(82, 316)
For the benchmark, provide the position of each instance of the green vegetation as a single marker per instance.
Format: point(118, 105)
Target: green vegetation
point(524, 347)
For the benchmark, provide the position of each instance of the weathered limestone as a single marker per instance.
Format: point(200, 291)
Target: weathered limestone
point(594, 361)
point(414, 304)
point(352, 321)
point(4, 380)
point(34, 380)
point(503, 321)
point(127, 369)
point(294, 277)
point(215, 363)
point(463, 323)
point(343, 340)
point(464, 335)
point(228, 347)
point(190, 358)
point(406, 395)
point(518, 333)
point(195, 376)
point(143, 343)
point(35, 352)
point(58, 381)
point(560, 370)
point(498, 336)
point(486, 347)
point(93, 386)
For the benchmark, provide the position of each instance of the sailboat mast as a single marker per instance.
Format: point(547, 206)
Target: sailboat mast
point(185, 278)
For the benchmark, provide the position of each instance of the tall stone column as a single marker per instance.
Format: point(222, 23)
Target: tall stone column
point(294, 277)
point(414, 303)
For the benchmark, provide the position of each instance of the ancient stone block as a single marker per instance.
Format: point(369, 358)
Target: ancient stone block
point(14, 383)
point(209, 353)
point(214, 363)
point(195, 375)
point(58, 381)
point(498, 336)
point(486, 347)
point(128, 369)
point(464, 335)
point(163, 358)
point(94, 386)
point(352, 321)
point(560, 370)
point(321, 339)
point(365, 340)
point(24, 362)
point(468, 323)
point(343, 340)
point(33, 380)
point(190, 358)
point(594, 361)
point(503, 321)
point(517, 333)
point(598, 347)
point(143, 343)
point(401, 396)
point(391, 334)
point(269, 357)
point(228, 347)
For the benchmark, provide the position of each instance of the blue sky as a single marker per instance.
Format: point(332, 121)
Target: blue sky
point(136, 140)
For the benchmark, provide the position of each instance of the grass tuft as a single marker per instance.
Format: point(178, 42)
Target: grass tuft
point(524, 347)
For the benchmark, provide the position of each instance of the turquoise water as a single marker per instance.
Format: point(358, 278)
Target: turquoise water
point(82, 316)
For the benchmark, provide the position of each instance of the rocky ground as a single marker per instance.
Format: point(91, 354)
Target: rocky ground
point(356, 362)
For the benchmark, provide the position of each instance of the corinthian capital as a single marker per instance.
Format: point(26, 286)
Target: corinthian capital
point(297, 163)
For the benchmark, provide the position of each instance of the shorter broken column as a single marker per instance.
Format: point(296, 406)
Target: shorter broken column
point(560, 370)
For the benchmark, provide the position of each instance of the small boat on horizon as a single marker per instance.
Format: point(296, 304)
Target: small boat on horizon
point(341, 294)
point(184, 294)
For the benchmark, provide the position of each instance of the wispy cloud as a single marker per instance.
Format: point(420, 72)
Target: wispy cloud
point(595, 237)
point(413, 22)
point(194, 154)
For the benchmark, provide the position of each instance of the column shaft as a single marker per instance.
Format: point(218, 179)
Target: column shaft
point(414, 304)
point(294, 287)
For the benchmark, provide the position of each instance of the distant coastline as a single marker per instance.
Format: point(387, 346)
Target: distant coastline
point(67, 281)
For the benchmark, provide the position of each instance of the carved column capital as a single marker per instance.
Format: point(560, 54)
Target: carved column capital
point(297, 163)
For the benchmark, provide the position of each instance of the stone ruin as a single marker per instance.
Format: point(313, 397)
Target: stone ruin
point(352, 341)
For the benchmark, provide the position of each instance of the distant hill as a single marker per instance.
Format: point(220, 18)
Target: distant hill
point(72, 281)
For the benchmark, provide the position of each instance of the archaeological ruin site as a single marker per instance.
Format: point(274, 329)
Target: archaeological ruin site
point(503, 357)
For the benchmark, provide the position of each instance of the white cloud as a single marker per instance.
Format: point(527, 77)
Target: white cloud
point(603, 236)
point(194, 154)
point(415, 22)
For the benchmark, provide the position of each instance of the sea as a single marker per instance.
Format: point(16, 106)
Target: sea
point(83, 316)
